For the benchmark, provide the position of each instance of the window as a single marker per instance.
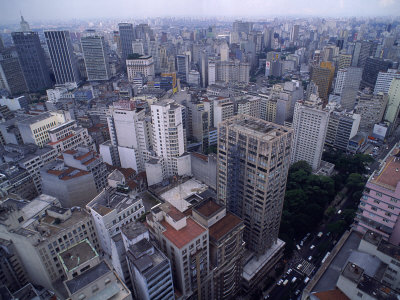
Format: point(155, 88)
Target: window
point(107, 281)
point(379, 194)
point(81, 296)
point(95, 288)
point(359, 294)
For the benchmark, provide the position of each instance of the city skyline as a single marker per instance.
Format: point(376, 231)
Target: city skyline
point(45, 10)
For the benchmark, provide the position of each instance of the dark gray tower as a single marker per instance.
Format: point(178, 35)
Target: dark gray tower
point(32, 59)
point(127, 36)
point(62, 57)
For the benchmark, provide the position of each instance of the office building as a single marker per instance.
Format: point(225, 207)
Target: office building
point(194, 78)
point(182, 67)
point(371, 70)
point(371, 108)
point(344, 61)
point(126, 37)
point(115, 206)
point(95, 53)
point(384, 80)
point(342, 127)
point(12, 272)
point(348, 83)
point(310, 124)
point(140, 65)
point(41, 229)
point(35, 129)
point(63, 60)
point(150, 269)
point(322, 76)
point(16, 180)
point(89, 277)
point(69, 136)
point(12, 78)
point(393, 106)
point(263, 170)
point(32, 59)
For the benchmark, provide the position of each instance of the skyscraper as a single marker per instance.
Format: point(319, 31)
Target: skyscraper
point(127, 36)
point(32, 59)
point(322, 76)
point(310, 124)
point(253, 161)
point(96, 57)
point(294, 33)
point(63, 60)
point(347, 85)
point(11, 76)
point(182, 64)
point(393, 107)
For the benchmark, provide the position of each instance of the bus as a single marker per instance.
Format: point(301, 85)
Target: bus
point(325, 257)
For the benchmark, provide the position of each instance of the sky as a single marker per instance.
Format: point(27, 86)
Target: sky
point(50, 10)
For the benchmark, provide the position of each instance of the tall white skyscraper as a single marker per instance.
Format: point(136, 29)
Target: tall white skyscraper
point(310, 124)
point(95, 54)
point(347, 85)
point(384, 80)
point(62, 57)
point(169, 137)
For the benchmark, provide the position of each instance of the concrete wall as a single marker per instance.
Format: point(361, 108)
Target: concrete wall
point(128, 158)
point(154, 173)
point(205, 170)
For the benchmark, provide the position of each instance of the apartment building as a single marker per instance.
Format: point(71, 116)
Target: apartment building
point(379, 207)
point(253, 161)
point(371, 109)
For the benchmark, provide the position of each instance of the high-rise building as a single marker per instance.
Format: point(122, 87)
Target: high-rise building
point(169, 136)
point(380, 204)
point(32, 59)
point(349, 86)
point(344, 61)
point(393, 107)
point(253, 161)
point(310, 124)
point(63, 60)
point(12, 77)
point(95, 53)
point(371, 70)
point(127, 36)
point(371, 109)
point(384, 80)
point(182, 66)
point(322, 76)
point(294, 33)
point(342, 127)
point(24, 25)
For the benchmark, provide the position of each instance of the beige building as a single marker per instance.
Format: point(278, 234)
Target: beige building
point(88, 277)
point(41, 229)
point(141, 65)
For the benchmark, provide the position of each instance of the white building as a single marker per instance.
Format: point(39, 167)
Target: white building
point(169, 136)
point(112, 208)
point(130, 132)
point(310, 124)
point(384, 80)
point(142, 65)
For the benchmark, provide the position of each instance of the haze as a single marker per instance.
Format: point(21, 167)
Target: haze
point(46, 10)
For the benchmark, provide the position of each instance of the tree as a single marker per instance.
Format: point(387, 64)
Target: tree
point(336, 227)
point(355, 181)
point(348, 215)
point(301, 165)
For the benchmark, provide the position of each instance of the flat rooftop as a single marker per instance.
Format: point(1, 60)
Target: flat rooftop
point(77, 255)
point(224, 226)
point(208, 208)
point(389, 175)
point(182, 237)
point(110, 200)
point(256, 127)
point(134, 229)
point(87, 277)
point(178, 195)
point(331, 275)
point(255, 265)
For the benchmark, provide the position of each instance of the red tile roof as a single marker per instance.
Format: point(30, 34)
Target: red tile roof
point(184, 236)
point(390, 174)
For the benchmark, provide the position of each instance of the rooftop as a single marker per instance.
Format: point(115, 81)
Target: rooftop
point(182, 237)
point(335, 294)
point(109, 200)
point(178, 194)
point(256, 127)
point(77, 255)
point(36, 118)
point(224, 226)
point(376, 289)
point(389, 175)
point(133, 229)
point(87, 277)
point(208, 208)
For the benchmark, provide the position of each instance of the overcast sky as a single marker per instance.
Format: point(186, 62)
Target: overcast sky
point(50, 10)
